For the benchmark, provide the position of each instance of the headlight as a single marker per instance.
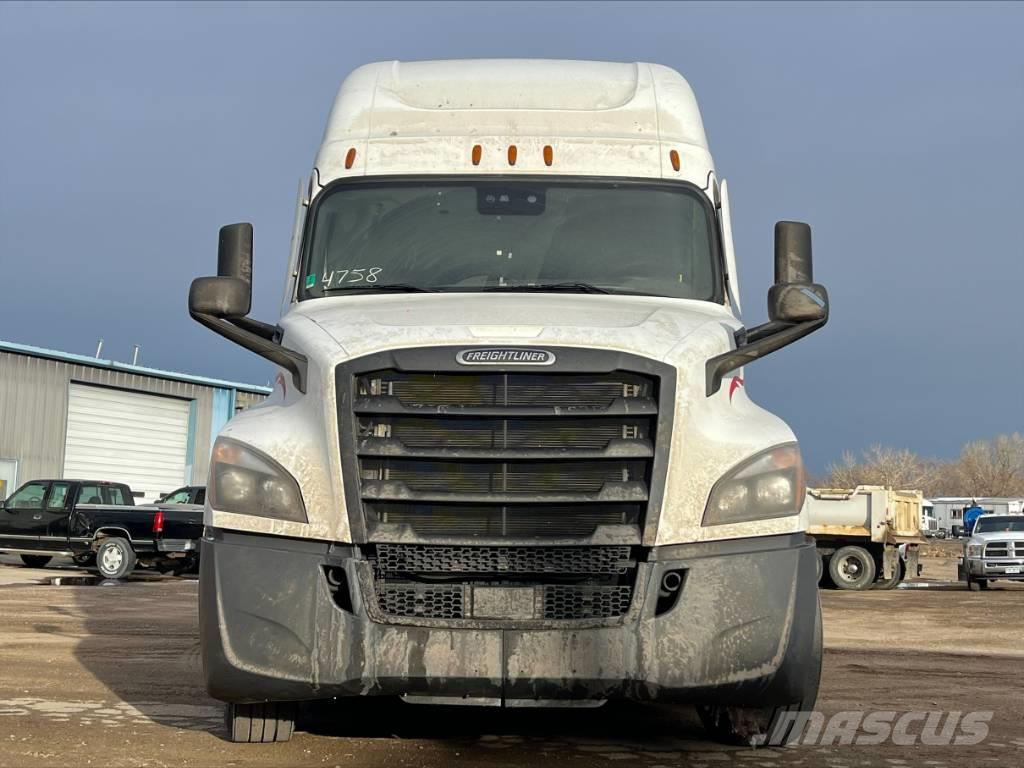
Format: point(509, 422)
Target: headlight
point(771, 484)
point(244, 481)
point(975, 550)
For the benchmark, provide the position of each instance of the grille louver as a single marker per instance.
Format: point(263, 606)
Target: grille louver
point(505, 454)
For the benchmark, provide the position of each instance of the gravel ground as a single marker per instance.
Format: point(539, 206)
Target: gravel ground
point(110, 675)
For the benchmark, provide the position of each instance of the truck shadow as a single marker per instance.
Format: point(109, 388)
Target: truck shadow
point(140, 640)
point(618, 728)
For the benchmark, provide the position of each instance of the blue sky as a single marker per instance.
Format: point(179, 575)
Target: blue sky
point(130, 132)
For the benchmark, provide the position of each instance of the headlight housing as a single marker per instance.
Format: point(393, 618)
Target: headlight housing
point(975, 550)
point(768, 485)
point(247, 482)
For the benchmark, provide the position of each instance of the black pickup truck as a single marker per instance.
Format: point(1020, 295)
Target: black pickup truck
point(97, 523)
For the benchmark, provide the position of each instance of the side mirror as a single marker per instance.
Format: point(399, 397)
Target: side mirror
point(795, 297)
point(797, 306)
point(230, 293)
point(222, 304)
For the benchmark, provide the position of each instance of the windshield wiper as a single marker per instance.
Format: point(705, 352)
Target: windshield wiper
point(541, 287)
point(396, 287)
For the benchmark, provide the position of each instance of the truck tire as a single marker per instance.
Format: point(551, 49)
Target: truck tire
point(893, 581)
point(35, 561)
point(85, 560)
point(260, 723)
point(852, 568)
point(981, 583)
point(767, 726)
point(115, 558)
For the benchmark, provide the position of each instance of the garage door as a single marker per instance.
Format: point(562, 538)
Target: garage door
point(126, 437)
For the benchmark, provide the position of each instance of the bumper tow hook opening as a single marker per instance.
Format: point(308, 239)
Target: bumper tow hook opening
point(337, 583)
point(668, 591)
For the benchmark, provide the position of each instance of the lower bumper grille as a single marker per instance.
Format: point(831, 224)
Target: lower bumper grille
point(503, 583)
point(562, 602)
point(403, 558)
point(422, 600)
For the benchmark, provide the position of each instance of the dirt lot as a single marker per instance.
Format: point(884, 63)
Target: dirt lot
point(109, 675)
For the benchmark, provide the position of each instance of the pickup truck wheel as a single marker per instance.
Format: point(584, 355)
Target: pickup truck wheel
point(982, 583)
point(35, 561)
point(852, 568)
point(115, 558)
point(85, 560)
point(260, 723)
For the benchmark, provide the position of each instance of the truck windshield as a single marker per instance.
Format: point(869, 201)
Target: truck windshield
point(1000, 524)
point(497, 234)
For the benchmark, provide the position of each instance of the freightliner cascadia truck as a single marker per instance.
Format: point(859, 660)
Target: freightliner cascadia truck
point(510, 459)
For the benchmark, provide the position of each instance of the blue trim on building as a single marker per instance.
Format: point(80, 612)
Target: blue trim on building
point(190, 448)
point(221, 411)
point(68, 357)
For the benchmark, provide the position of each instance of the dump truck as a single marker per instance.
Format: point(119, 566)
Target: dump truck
point(510, 459)
point(867, 537)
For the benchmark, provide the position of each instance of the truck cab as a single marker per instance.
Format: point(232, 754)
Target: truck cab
point(510, 458)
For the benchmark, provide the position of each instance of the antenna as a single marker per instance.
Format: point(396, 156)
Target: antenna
point(99, 348)
point(135, 354)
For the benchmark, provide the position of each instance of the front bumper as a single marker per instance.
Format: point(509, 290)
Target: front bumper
point(996, 568)
point(748, 610)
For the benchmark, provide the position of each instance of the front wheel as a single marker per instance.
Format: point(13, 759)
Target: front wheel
point(852, 568)
point(115, 558)
point(35, 561)
point(260, 723)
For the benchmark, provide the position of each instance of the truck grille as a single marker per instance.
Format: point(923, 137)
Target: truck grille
point(1004, 549)
point(549, 583)
point(504, 455)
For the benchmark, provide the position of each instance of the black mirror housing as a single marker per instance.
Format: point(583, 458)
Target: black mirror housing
point(220, 296)
point(797, 306)
point(795, 303)
point(795, 297)
point(234, 252)
point(793, 260)
point(222, 304)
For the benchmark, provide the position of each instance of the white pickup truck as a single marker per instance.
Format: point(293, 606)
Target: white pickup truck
point(995, 551)
point(510, 459)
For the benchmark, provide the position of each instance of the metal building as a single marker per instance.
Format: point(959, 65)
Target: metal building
point(949, 510)
point(66, 415)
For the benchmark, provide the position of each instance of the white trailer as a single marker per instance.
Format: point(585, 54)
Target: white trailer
point(866, 537)
point(510, 459)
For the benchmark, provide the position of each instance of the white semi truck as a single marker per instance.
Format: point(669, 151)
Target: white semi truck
point(510, 459)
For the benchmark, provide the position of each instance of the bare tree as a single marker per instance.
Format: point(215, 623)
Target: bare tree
point(991, 467)
point(985, 468)
point(898, 468)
